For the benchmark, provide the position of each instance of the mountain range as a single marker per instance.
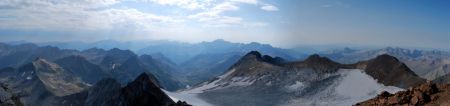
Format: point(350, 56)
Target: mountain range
point(428, 64)
point(210, 73)
point(122, 65)
point(264, 80)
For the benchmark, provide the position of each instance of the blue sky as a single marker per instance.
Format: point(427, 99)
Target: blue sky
point(282, 23)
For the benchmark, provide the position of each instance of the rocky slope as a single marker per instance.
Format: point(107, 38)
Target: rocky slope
point(428, 94)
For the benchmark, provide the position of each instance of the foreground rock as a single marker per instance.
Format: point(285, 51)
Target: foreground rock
point(7, 98)
point(428, 94)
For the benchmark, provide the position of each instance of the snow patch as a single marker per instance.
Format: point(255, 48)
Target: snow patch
point(190, 98)
point(296, 86)
point(29, 78)
point(269, 83)
point(113, 66)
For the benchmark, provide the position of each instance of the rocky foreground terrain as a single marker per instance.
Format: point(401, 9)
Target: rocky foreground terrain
point(428, 94)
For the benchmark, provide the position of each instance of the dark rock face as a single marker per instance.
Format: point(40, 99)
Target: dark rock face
point(79, 66)
point(390, 71)
point(7, 98)
point(141, 92)
point(428, 94)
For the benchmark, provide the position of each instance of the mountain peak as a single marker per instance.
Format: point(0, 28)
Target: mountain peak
point(387, 57)
point(255, 53)
point(144, 77)
point(143, 91)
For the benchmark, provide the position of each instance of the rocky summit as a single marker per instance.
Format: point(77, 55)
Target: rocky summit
point(428, 94)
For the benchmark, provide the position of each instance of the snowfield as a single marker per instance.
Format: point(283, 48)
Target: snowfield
point(354, 86)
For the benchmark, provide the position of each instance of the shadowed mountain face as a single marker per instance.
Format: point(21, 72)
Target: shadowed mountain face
point(390, 71)
point(108, 92)
point(314, 81)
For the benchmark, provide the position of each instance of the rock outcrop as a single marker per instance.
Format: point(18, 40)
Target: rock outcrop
point(428, 94)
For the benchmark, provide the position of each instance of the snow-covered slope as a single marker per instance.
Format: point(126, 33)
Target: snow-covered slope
point(344, 88)
point(352, 87)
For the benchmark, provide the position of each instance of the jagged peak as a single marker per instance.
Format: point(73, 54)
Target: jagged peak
point(143, 77)
point(264, 58)
point(146, 78)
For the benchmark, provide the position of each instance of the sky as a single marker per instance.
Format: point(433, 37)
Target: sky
point(281, 23)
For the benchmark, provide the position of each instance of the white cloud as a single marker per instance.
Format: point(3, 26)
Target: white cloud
point(214, 17)
point(187, 4)
point(269, 8)
point(76, 15)
point(226, 6)
point(246, 1)
point(111, 16)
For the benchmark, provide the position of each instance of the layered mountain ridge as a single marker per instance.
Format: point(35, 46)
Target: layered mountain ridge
point(123, 65)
